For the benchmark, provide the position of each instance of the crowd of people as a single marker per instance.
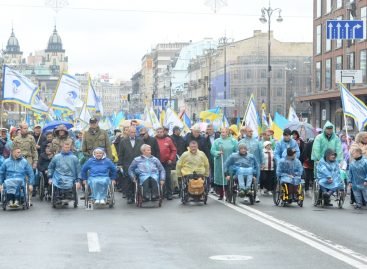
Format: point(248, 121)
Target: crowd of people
point(132, 155)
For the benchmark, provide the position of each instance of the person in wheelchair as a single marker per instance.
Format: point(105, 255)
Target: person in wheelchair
point(328, 175)
point(358, 177)
point(192, 162)
point(289, 171)
point(242, 165)
point(13, 173)
point(98, 172)
point(64, 170)
point(150, 172)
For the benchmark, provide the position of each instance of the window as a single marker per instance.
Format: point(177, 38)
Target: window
point(262, 74)
point(362, 59)
point(327, 44)
point(328, 74)
point(339, 63)
point(339, 3)
point(279, 74)
point(318, 8)
point(279, 92)
point(364, 15)
point(318, 39)
point(263, 91)
point(339, 42)
point(350, 63)
point(328, 6)
point(248, 74)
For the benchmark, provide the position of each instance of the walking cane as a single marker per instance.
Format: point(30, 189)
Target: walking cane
point(221, 157)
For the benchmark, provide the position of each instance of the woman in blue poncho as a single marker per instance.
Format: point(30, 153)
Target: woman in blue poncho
point(101, 172)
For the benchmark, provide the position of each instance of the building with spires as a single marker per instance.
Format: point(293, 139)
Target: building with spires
point(12, 53)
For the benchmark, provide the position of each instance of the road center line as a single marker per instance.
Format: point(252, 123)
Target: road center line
point(93, 242)
point(321, 245)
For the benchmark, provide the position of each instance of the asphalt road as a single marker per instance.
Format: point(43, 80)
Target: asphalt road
point(178, 236)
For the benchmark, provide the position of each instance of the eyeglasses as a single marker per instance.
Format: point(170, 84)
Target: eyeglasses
point(142, 134)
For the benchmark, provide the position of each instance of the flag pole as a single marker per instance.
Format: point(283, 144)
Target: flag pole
point(346, 128)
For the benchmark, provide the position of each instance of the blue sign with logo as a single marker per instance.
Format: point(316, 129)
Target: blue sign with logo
point(345, 29)
point(160, 103)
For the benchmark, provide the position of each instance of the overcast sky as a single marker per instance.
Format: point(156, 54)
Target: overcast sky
point(113, 35)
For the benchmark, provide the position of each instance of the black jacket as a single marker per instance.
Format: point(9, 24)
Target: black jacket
point(202, 142)
point(127, 153)
point(43, 162)
point(179, 143)
point(152, 142)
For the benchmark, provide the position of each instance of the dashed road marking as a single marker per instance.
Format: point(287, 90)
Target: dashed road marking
point(93, 242)
point(230, 258)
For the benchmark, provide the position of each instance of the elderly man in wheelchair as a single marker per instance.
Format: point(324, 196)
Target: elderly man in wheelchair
point(328, 176)
point(15, 174)
point(243, 166)
point(289, 171)
point(148, 174)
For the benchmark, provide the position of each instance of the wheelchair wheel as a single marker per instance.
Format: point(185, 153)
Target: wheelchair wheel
point(75, 196)
point(41, 187)
point(316, 193)
point(138, 195)
point(111, 194)
point(53, 200)
point(301, 197)
point(3, 199)
point(184, 194)
point(86, 195)
point(341, 198)
point(276, 193)
point(27, 196)
point(230, 192)
point(160, 196)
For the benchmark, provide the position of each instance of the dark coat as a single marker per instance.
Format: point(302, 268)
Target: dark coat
point(152, 142)
point(180, 144)
point(127, 153)
point(43, 162)
point(202, 142)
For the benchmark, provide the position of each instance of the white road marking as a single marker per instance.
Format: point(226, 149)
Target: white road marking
point(339, 252)
point(93, 242)
point(230, 258)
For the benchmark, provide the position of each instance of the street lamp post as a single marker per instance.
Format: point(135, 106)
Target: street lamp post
point(266, 14)
point(224, 41)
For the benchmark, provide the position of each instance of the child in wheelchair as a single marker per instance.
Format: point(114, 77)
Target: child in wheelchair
point(328, 176)
point(97, 173)
point(289, 171)
point(358, 177)
point(13, 173)
point(243, 166)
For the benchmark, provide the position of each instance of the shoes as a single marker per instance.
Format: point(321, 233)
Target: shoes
point(102, 202)
point(220, 198)
point(16, 203)
point(270, 193)
point(257, 200)
point(357, 206)
point(11, 203)
point(82, 197)
point(169, 197)
point(246, 200)
point(242, 193)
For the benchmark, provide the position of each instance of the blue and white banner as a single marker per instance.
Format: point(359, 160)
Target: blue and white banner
point(94, 102)
point(38, 104)
point(172, 120)
point(17, 88)
point(67, 96)
point(353, 107)
point(292, 115)
point(264, 119)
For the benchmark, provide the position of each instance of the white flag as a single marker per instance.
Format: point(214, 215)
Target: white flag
point(172, 120)
point(38, 104)
point(93, 100)
point(292, 115)
point(353, 107)
point(67, 95)
point(17, 88)
point(251, 118)
point(153, 119)
point(84, 114)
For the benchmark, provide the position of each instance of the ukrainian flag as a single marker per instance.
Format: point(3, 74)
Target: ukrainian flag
point(278, 125)
point(210, 114)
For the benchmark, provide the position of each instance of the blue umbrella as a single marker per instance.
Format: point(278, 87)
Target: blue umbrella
point(53, 124)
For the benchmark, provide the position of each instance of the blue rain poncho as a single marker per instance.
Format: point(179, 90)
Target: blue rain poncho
point(254, 147)
point(281, 149)
point(358, 174)
point(13, 173)
point(242, 166)
point(101, 171)
point(290, 171)
point(145, 167)
point(64, 169)
point(327, 170)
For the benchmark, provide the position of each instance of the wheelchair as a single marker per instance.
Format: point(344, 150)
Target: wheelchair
point(196, 187)
point(233, 190)
point(62, 197)
point(139, 191)
point(318, 199)
point(282, 196)
point(44, 189)
point(22, 195)
point(110, 198)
